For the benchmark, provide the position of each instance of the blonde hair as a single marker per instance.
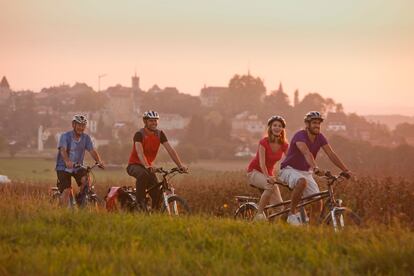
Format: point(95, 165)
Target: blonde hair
point(281, 139)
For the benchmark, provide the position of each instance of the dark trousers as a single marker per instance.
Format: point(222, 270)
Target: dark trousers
point(64, 179)
point(144, 180)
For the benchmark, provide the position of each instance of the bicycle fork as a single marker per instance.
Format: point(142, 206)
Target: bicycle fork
point(333, 212)
point(175, 209)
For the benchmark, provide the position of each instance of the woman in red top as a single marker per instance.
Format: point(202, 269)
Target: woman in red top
point(260, 170)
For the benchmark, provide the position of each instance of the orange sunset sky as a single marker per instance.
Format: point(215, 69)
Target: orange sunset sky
point(360, 53)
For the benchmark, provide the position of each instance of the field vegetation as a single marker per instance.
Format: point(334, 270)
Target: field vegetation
point(38, 238)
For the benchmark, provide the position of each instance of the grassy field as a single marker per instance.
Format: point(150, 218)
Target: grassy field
point(37, 239)
point(43, 170)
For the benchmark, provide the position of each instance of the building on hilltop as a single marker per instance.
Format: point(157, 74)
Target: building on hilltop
point(210, 95)
point(336, 123)
point(135, 84)
point(171, 121)
point(155, 89)
point(120, 106)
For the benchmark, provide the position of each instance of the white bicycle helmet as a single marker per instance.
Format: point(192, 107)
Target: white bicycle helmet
point(80, 119)
point(276, 118)
point(150, 114)
point(313, 115)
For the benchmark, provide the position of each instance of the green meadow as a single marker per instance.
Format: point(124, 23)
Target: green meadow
point(38, 238)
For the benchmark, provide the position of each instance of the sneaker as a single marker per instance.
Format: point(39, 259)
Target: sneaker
point(259, 217)
point(294, 219)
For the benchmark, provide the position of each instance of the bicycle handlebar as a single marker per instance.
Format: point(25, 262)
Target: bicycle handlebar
point(342, 175)
point(167, 172)
point(88, 168)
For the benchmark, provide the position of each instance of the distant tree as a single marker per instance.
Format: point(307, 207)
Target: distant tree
point(339, 108)
point(171, 101)
point(195, 131)
point(330, 105)
point(245, 94)
point(404, 129)
point(21, 120)
point(104, 129)
point(210, 135)
point(276, 103)
point(313, 101)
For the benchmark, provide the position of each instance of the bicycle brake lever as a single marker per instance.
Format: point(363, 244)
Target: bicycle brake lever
point(328, 174)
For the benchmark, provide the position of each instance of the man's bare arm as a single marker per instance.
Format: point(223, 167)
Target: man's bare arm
point(141, 156)
point(64, 153)
point(95, 155)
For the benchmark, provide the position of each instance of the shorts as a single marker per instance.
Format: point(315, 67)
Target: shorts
point(291, 177)
point(65, 179)
point(259, 180)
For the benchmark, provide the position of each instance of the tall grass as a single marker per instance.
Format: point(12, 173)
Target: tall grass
point(36, 239)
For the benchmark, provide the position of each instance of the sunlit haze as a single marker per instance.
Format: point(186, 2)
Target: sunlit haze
point(360, 53)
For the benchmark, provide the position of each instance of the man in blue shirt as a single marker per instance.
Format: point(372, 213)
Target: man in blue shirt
point(72, 146)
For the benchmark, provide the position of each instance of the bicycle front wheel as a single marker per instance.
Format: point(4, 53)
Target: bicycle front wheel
point(94, 202)
point(176, 206)
point(343, 218)
point(54, 198)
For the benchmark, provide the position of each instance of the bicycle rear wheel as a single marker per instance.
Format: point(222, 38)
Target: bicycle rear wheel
point(177, 206)
point(245, 212)
point(344, 218)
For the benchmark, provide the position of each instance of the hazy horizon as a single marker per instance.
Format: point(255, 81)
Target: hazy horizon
point(360, 54)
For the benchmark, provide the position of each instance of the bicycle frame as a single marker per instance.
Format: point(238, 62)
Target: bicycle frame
point(167, 190)
point(88, 189)
point(330, 207)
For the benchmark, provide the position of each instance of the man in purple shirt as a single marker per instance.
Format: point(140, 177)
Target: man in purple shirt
point(299, 164)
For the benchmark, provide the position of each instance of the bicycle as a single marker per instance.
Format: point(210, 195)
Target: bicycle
point(171, 203)
point(85, 198)
point(333, 213)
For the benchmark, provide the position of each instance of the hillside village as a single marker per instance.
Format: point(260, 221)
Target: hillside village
point(231, 117)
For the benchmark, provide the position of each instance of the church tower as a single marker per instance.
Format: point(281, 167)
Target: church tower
point(296, 98)
point(5, 91)
point(135, 83)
